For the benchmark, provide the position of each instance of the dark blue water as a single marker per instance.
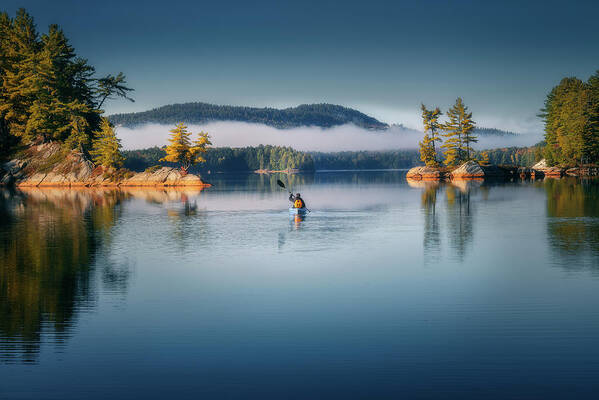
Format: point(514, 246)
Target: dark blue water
point(384, 290)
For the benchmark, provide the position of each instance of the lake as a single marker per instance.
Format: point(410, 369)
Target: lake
point(384, 290)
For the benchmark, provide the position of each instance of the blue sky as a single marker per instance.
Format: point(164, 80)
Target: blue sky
point(383, 57)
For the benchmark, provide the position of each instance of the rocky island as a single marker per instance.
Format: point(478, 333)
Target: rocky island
point(472, 170)
point(48, 165)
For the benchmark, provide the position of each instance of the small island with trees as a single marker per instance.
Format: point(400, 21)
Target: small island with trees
point(571, 145)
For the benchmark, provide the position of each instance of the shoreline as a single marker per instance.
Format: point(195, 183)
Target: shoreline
point(47, 165)
point(471, 170)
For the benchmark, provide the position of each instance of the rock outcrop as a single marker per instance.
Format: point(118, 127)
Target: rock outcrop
point(557, 172)
point(163, 177)
point(426, 173)
point(468, 170)
point(541, 168)
point(541, 165)
point(48, 165)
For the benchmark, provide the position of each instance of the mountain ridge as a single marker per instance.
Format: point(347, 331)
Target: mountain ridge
point(322, 115)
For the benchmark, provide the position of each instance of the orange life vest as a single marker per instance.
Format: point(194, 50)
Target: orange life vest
point(298, 204)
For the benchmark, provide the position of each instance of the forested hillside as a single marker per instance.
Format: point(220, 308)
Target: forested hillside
point(322, 115)
point(492, 132)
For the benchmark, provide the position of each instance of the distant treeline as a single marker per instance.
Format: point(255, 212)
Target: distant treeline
point(520, 156)
point(366, 159)
point(276, 158)
point(322, 115)
point(493, 132)
point(226, 159)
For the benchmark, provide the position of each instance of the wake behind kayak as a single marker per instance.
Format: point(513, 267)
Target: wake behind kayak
point(298, 211)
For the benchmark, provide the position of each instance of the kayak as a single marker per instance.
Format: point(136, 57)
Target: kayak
point(298, 211)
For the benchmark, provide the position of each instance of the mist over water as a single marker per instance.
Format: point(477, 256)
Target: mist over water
point(341, 138)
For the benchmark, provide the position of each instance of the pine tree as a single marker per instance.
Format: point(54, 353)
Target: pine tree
point(571, 115)
point(181, 150)
point(20, 43)
point(200, 147)
point(427, 152)
point(467, 131)
point(591, 139)
point(112, 86)
point(453, 140)
point(459, 133)
point(430, 121)
point(106, 150)
point(46, 92)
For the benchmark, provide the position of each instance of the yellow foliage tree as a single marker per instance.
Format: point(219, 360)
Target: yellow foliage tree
point(181, 151)
point(428, 150)
point(484, 159)
point(106, 148)
point(200, 147)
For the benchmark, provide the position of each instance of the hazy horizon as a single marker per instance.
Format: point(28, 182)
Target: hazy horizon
point(347, 137)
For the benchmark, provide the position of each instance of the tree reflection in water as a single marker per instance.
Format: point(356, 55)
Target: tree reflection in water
point(432, 233)
point(572, 223)
point(459, 216)
point(49, 241)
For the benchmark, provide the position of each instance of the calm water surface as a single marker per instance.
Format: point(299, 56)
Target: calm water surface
point(384, 290)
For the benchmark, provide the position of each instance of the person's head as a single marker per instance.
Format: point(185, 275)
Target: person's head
point(297, 195)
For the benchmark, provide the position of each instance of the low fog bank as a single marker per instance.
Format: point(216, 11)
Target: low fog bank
point(340, 138)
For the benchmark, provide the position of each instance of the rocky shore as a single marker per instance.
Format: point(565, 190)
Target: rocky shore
point(471, 170)
point(47, 165)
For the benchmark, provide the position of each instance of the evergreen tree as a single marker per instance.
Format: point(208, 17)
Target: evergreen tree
point(47, 93)
point(181, 150)
point(427, 152)
point(200, 147)
point(453, 139)
point(106, 149)
point(467, 132)
point(459, 133)
point(112, 86)
point(571, 115)
point(20, 43)
point(430, 121)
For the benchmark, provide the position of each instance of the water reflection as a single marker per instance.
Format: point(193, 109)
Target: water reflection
point(458, 215)
point(263, 183)
point(432, 234)
point(49, 241)
point(297, 220)
point(573, 226)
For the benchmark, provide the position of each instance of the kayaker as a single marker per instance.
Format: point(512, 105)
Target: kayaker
point(297, 200)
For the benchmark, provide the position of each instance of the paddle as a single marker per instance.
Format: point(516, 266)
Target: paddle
point(281, 184)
